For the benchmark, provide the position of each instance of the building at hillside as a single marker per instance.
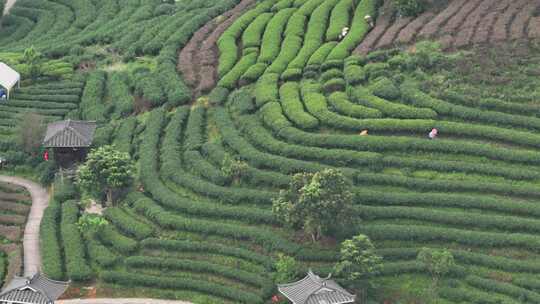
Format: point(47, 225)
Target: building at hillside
point(316, 290)
point(8, 78)
point(37, 289)
point(70, 140)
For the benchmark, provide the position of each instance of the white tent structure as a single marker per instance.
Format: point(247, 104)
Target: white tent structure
point(8, 77)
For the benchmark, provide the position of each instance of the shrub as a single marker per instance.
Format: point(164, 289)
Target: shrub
point(253, 34)
point(218, 96)
point(194, 129)
point(270, 48)
point(354, 74)
point(410, 7)
point(127, 224)
point(51, 252)
point(132, 279)
point(266, 89)
point(333, 85)
point(74, 250)
point(92, 107)
point(341, 103)
point(293, 107)
point(109, 236)
point(385, 88)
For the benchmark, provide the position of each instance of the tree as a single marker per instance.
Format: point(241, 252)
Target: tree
point(31, 57)
point(106, 170)
point(358, 260)
point(30, 132)
point(438, 262)
point(286, 269)
point(315, 202)
point(410, 7)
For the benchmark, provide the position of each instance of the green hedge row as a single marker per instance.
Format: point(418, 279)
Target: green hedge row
point(199, 165)
point(230, 79)
point(421, 184)
point(272, 36)
point(354, 74)
point(216, 153)
point(172, 264)
point(150, 179)
point(341, 103)
point(253, 73)
point(266, 89)
point(228, 49)
point(460, 236)
point(102, 255)
point(400, 143)
point(469, 295)
point(414, 96)
point(128, 224)
point(318, 57)
point(451, 218)
point(246, 151)
point(208, 247)
point(42, 104)
point(51, 251)
point(482, 202)
point(124, 135)
point(518, 173)
point(111, 237)
point(194, 137)
point(252, 36)
point(77, 267)
point(293, 107)
point(92, 106)
point(55, 97)
point(264, 237)
point(132, 279)
point(359, 29)
point(340, 18)
point(119, 92)
point(362, 96)
point(524, 295)
point(315, 34)
point(494, 104)
point(261, 137)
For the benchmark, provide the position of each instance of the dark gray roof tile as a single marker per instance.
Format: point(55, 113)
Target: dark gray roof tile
point(69, 133)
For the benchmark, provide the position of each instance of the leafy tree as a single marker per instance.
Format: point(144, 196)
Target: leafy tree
point(358, 260)
point(233, 168)
point(286, 269)
point(315, 202)
point(91, 223)
point(410, 7)
point(30, 132)
point(438, 262)
point(106, 170)
point(32, 57)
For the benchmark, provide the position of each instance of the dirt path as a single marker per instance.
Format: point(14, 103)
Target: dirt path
point(9, 4)
point(199, 59)
point(40, 201)
point(119, 301)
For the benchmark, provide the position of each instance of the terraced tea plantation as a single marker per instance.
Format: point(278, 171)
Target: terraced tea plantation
point(14, 207)
point(221, 102)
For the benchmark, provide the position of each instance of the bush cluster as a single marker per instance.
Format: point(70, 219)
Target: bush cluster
point(77, 268)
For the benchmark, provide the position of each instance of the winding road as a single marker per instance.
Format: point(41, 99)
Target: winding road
point(9, 4)
point(32, 257)
point(40, 201)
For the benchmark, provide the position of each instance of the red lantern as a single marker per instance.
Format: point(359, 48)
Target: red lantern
point(46, 155)
point(275, 299)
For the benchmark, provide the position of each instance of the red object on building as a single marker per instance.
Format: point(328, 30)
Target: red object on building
point(275, 299)
point(46, 155)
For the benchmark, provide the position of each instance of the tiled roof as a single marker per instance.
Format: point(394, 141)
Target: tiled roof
point(69, 133)
point(35, 290)
point(315, 290)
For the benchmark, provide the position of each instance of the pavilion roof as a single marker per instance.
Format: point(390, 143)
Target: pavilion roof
point(316, 290)
point(37, 289)
point(69, 133)
point(8, 76)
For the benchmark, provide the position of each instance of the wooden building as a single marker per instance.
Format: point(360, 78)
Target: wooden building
point(316, 290)
point(37, 289)
point(69, 140)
